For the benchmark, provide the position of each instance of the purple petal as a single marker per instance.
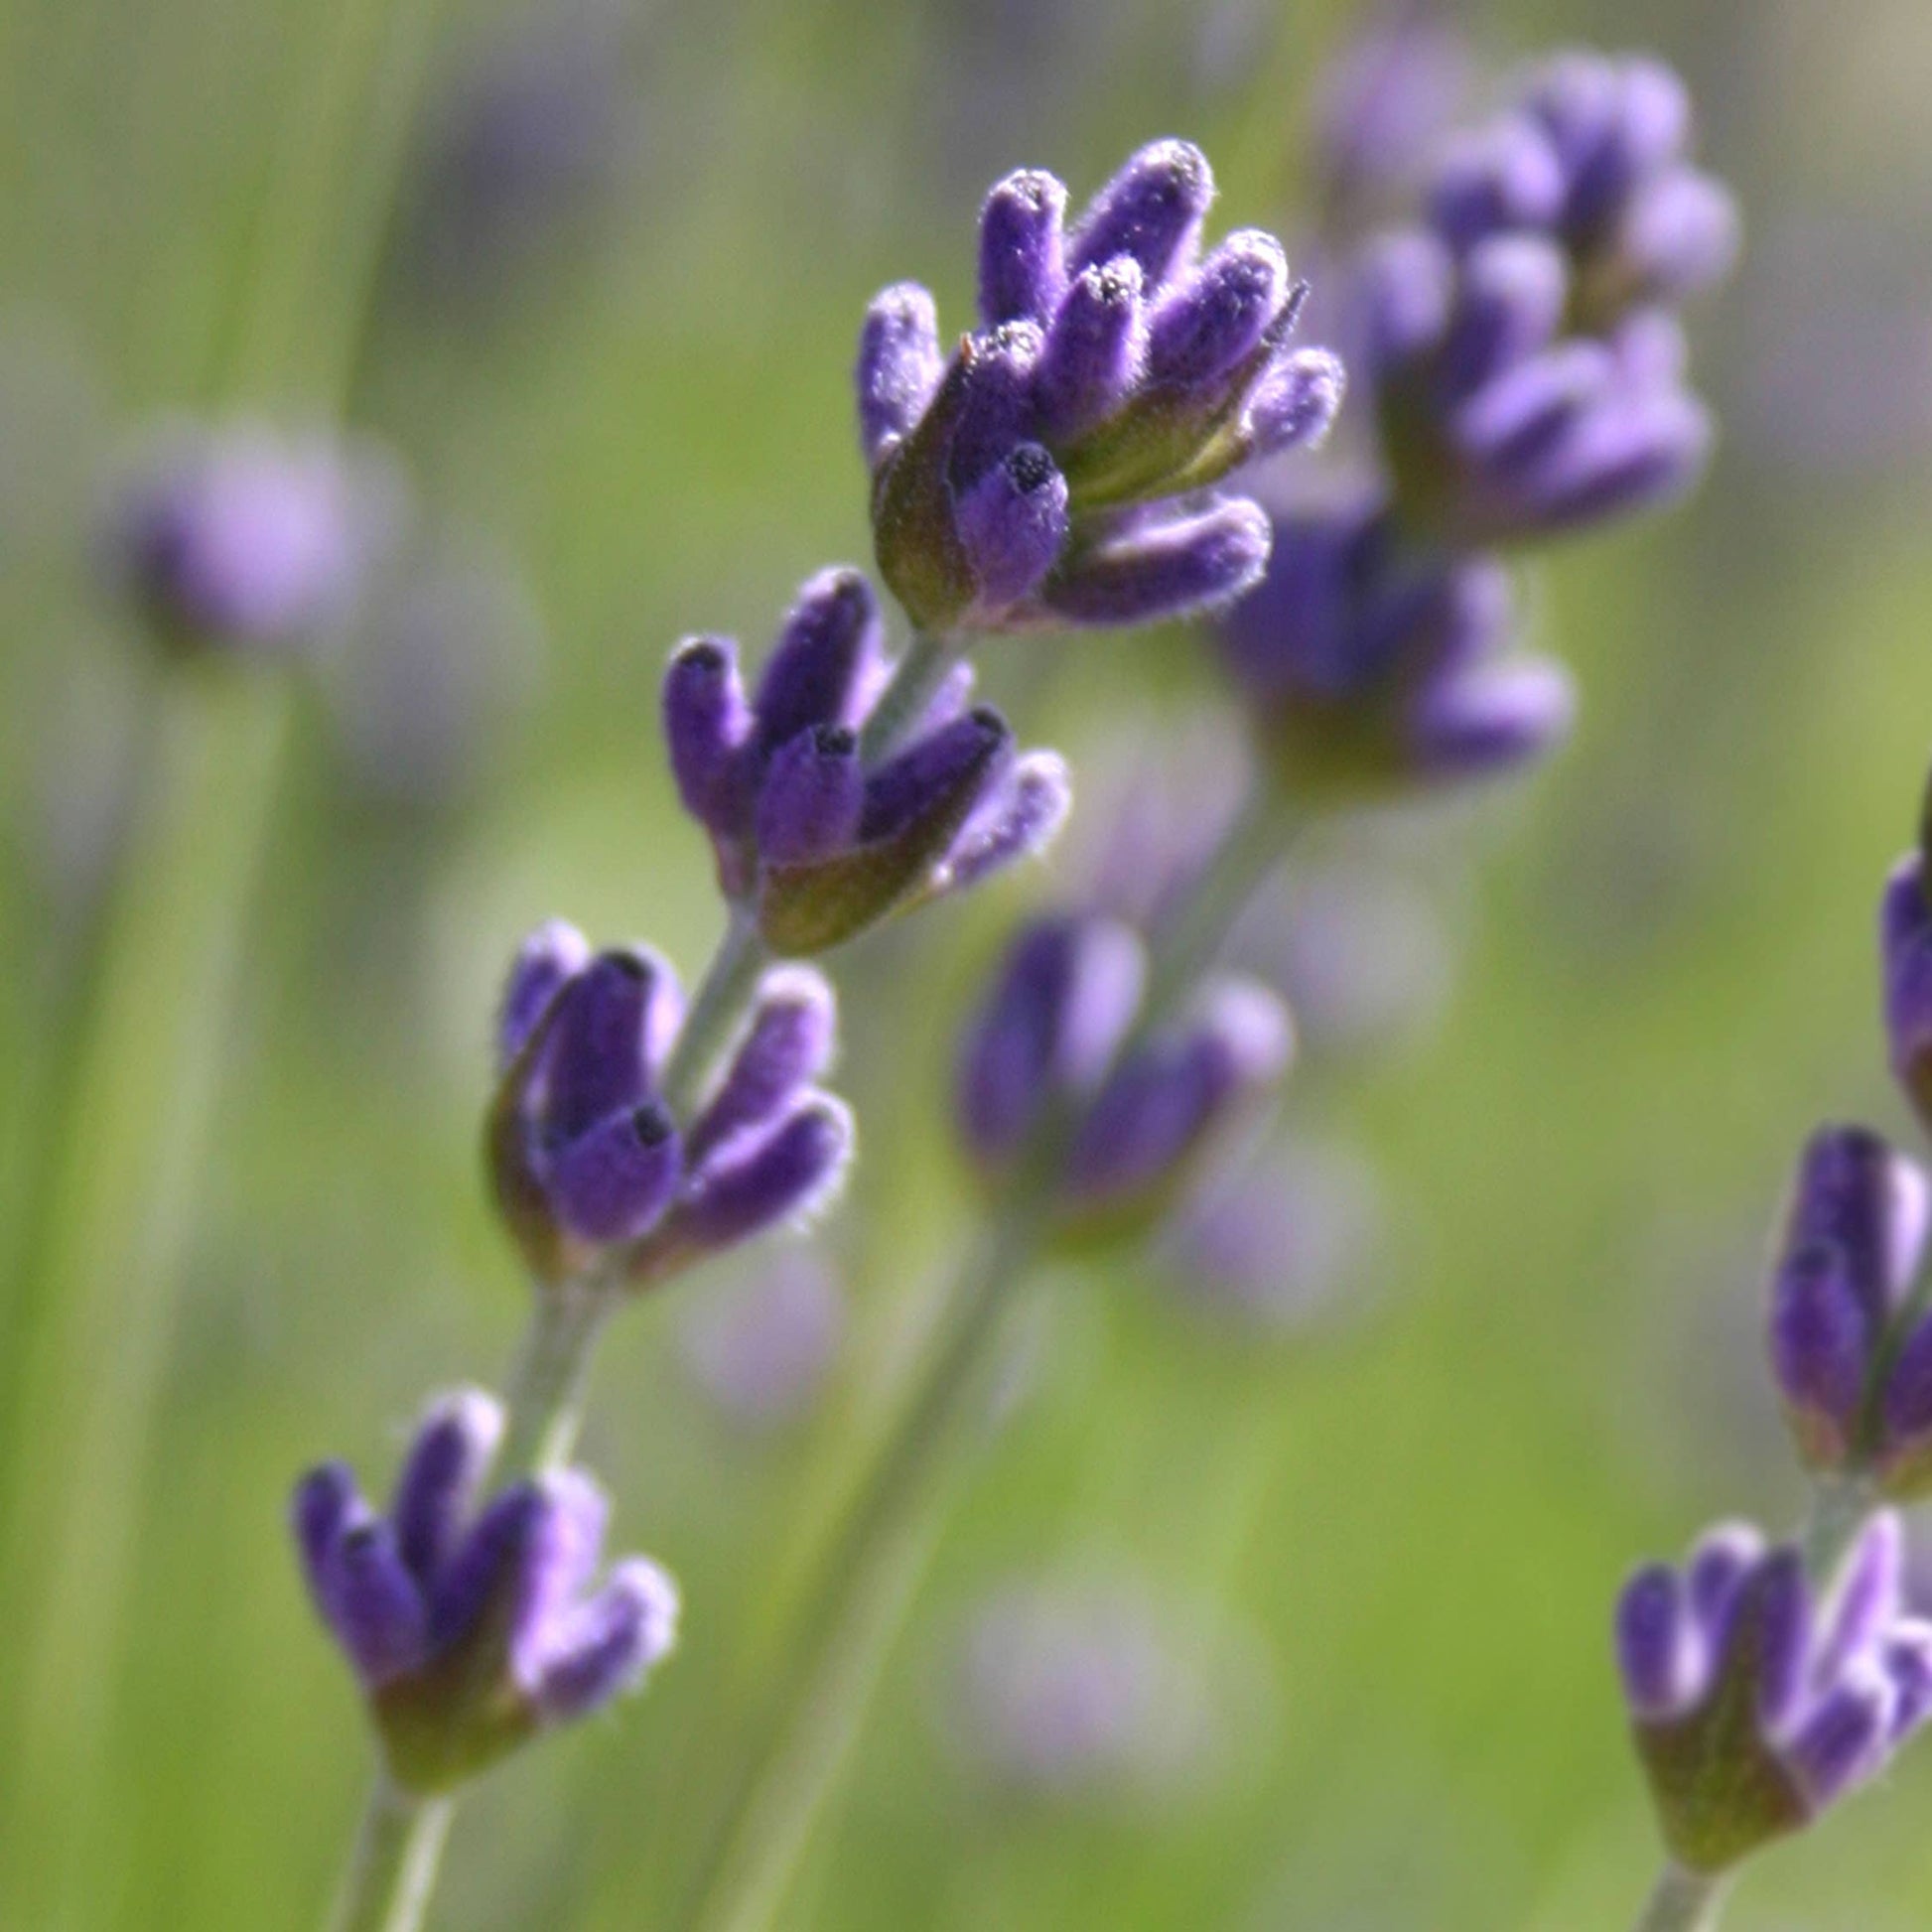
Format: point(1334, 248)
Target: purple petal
point(1216, 319)
point(553, 954)
point(754, 1182)
point(933, 768)
point(613, 1182)
point(1821, 1339)
point(1657, 1648)
point(1094, 351)
point(1844, 1739)
point(438, 1482)
point(374, 1603)
point(609, 1029)
point(1152, 209)
point(1716, 1573)
point(611, 1642)
point(996, 409)
point(1906, 1659)
point(1165, 567)
point(1509, 306)
point(1906, 945)
point(899, 367)
point(707, 726)
point(1019, 822)
point(1908, 1390)
point(1776, 1622)
point(832, 635)
point(1503, 178)
point(1022, 273)
point(1012, 525)
point(1296, 403)
point(814, 794)
point(563, 1538)
point(1857, 1196)
point(1491, 722)
point(325, 1504)
point(789, 1043)
point(484, 1572)
point(1680, 235)
point(1864, 1602)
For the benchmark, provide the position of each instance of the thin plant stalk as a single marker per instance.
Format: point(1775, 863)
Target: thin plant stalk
point(393, 1870)
point(789, 1766)
point(1684, 1901)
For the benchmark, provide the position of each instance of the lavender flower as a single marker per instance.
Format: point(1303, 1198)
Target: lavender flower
point(1370, 667)
point(240, 538)
point(1757, 1698)
point(1593, 153)
point(1497, 424)
point(470, 1629)
point(1032, 478)
point(1042, 1059)
point(1905, 942)
point(819, 842)
point(586, 1158)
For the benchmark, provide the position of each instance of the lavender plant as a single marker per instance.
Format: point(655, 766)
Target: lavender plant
point(1764, 1684)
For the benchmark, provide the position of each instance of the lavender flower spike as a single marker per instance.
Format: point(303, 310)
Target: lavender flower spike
point(1038, 1059)
point(244, 539)
point(819, 844)
point(589, 1166)
point(1756, 1699)
point(1368, 669)
point(470, 1629)
point(1113, 372)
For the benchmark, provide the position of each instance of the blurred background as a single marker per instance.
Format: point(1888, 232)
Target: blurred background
point(1278, 1597)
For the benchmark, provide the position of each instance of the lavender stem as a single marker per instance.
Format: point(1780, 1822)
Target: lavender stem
point(916, 679)
point(1840, 1507)
point(546, 1392)
point(1684, 1901)
point(786, 1768)
point(393, 1870)
point(716, 1012)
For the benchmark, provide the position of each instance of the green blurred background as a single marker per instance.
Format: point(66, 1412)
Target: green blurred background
point(1379, 1543)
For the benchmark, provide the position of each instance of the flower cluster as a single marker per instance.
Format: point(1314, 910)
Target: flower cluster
point(1053, 1056)
point(1756, 1700)
point(1048, 472)
point(817, 838)
point(470, 1629)
point(586, 1157)
point(1525, 364)
point(242, 539)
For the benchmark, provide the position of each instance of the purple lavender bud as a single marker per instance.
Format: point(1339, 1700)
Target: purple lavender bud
point(813, 792)
point(1857, 1196)
point(1296, 403)
point(1906, 1657)
point(996, 406)
point(1022, 273)
point(1152, 209)
point(484, 1572)
point(1781, 1637)
point(610, 1645)
point(1065, 994)
point(555, 953)
point(1715, 1574)
point(557, 1556)
point(1407, 284)
point(1656, 1644)
point(1643, 454)
point(1509, 304)
point(1678, 238)
point(608, 1030)
point(1869, 1598)
point(1166, 567)
point(1013, 524)
point(1523, 416)
point(1906, 943)
point(1822, 1343)
point(1156, 1111)
point(1492, 722)
point(1218, 316)
point(1021, 820)
point(1382, 106)
point(613, 1180)
point(327, 1501)
point(754, 1183)
point(373, 1604)
point(1844, 1738)
point(1572, 96)
point(1095, 350)
point(1500, 178)
point(831, 638)
point(899, 367)
point(933, 770)
point(437, 1483)
point(707, 726)
point(1906, 1410)
point(787, 1045)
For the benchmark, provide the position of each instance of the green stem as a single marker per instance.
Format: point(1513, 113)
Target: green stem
point(546, 1392)
point(1840, 1506)
point(1684, 1901)
point(916, 678)
point(392, 1872)
point(722, 999)
point(790, 1762)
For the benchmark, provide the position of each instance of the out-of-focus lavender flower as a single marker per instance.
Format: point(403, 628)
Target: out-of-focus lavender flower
point(1040, 1061)
point(472, 1627)
point(1500, 425)
point(821, 842)
point(1043, 474)
point(1080, 1692)
point(1756, 1699)
point(1369, 666)
point(1286, 1242)
point(1382, 105)
point(586, 1159)
point(761, 1348)
point(529, 148)
point(242, 538)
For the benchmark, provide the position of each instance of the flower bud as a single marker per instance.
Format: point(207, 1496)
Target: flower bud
point(1021, 274)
